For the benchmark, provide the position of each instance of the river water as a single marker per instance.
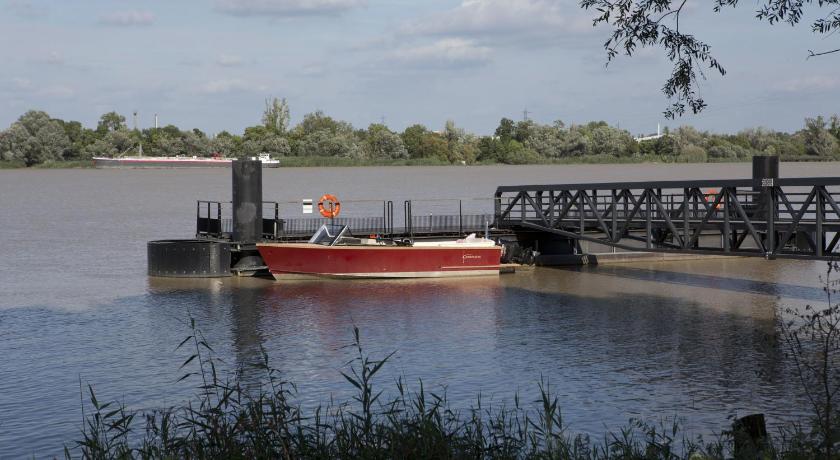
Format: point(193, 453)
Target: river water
point(647, 340)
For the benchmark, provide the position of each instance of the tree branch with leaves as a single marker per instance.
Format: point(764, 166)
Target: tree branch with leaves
point(656, 23)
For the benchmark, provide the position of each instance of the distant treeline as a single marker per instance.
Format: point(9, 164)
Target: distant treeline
point(36, 138)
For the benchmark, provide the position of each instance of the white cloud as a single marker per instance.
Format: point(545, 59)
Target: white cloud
point(811, 83)
point(313, 69)
point(53, 58)
point(21, 83)
point(229, 60)
point(25, 9)
point(504, 18)
point(447, 52)
point(287, 7)
point(228, 86)
point(190, 62)
point(26, 88)
point(128, 18)
point(57, 92)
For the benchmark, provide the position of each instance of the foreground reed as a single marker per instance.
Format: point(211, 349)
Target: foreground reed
point(227, 421)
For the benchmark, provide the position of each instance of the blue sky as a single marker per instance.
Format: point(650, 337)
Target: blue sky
point(211, 63)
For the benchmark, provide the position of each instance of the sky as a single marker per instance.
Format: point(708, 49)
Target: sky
point(210, 64)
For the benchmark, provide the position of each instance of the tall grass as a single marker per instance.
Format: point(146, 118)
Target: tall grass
point(227, 421)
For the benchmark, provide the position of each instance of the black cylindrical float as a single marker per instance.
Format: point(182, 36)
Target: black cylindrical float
point(189, 258)
point(247, 201)
point(764, 167)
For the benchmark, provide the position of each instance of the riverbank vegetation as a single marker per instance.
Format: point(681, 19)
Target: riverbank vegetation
point(232, 419)
point(227, 421)
point(319, 140)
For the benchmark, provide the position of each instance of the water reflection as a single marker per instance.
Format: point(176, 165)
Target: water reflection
point(718, 282)
point(610, 357)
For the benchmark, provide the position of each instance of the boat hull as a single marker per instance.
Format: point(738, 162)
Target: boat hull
point(301, 260)
point(169, 162)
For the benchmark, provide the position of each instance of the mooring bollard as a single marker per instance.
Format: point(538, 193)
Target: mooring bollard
point(750, 436)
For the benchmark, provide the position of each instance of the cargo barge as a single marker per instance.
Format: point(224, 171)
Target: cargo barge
point(140, 162)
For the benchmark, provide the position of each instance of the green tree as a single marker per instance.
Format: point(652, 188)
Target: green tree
point(547, 140)
point(321, 135)
point(195, 144)
point(276, 145)
point(419, 142)
point(506, 130)
point(51, 143)
point(725, 150)
point(13, 142)
point(515, 153)
point(170, 130)
point(491, 149)
point(324, 142)
point(170, 145)
point(524, 130)
point(34, 120)
point(455, 138)
point(412, 138)
point(666, 146)
point(575, 143)
point(818, 140)
point(693, 154)
point(111, 121)
point(433, 145)
point(276, 115)
point(115, 144)
point(256, 133)
point(251, 148)
point(79, 138)
point(34, 138)
point(226, 144)
point(606, 140)
point(317, 121)
point(382, 143)
point(834, 129)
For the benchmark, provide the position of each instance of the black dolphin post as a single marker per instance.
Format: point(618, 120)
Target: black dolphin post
point(247, 201)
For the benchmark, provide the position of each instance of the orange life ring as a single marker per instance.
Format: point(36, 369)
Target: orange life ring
point(710, 197)
point(333, 206)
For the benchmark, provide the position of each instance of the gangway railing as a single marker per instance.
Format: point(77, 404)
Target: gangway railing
point(214, 219)
point(796, 217)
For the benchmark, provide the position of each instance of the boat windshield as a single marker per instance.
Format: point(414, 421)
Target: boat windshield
point(329, 234)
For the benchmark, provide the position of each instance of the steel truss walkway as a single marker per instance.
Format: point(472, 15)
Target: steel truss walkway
point(790, 218)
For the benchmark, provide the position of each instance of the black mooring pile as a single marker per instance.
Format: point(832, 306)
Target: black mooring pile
point(247, 201)
point(213, 258)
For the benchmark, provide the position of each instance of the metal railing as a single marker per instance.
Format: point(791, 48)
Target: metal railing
point(214, 219)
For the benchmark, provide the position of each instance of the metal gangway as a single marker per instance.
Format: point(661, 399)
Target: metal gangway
point(766, 217)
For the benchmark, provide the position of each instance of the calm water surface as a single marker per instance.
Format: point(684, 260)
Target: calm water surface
point(649, 340)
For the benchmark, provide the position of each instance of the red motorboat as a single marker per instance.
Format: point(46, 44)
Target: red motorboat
point(334, 253)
